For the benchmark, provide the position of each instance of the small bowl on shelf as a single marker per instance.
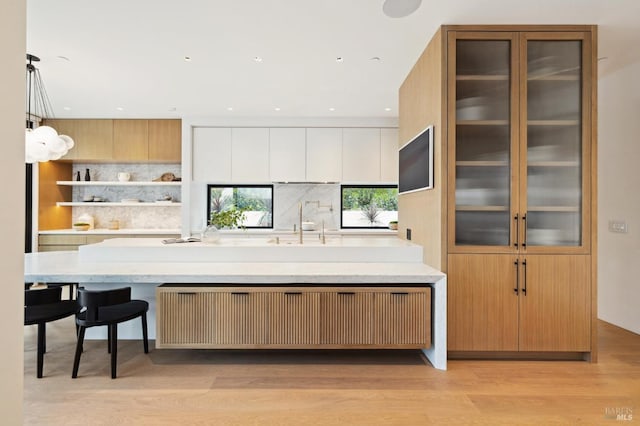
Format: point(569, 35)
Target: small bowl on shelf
point(81, 226)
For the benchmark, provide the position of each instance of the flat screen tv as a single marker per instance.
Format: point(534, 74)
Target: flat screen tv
point(416, 163)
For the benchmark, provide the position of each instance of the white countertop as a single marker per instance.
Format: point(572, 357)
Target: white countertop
point(256, 249)
point(105, 231)
point(66, 266)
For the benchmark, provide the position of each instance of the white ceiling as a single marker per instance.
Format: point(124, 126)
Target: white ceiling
point(129, 54)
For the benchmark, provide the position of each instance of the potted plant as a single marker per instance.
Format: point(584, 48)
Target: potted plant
point(225, 219)
point(393, 225)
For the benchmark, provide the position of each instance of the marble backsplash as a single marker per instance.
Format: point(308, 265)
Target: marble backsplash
point(154, 217)
point(320, 202)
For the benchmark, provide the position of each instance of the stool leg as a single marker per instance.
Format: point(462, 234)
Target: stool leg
point(109, 338)
point(41, 343)
point(145, 339)
point(76, 360)
point(114, 349)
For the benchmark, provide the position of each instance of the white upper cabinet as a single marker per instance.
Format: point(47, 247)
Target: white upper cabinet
point(211, 154)
point(389, 156)
point(287, 154)
point(324, 155)
point(250, 155)
point(361, 155)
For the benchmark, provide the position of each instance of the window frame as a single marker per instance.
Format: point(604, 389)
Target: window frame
point(224, 185)
point(372, 186)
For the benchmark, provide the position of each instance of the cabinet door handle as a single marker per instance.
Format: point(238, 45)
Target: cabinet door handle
point(187, 293)
point(524, 242)
point(292, 293)
point(240, 293)
point(517, 287)
point(347, 292)
point(515, 244)
point(524, 268)
point(400, 293)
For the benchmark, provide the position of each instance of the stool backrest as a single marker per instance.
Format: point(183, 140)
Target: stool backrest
point(42, 296)
point(92, 300)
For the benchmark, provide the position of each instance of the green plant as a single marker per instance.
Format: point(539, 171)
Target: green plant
point(371, 212)
point(81, 224)
point(231, 218)
point(393, 222)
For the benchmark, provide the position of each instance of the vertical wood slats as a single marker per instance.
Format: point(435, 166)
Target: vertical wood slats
point(218, 317)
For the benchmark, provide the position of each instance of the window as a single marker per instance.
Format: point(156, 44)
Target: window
point(368, 206)
point(256, 201)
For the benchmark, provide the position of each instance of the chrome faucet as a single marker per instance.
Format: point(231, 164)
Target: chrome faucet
point(300, 220)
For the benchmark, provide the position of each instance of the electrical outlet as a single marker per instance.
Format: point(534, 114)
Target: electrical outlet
point(408, 233)
point(619, 226)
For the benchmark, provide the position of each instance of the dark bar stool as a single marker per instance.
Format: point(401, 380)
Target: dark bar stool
point(42, 306)
point(108, 307)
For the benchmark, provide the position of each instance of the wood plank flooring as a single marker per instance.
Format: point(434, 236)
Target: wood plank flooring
point(182, 387)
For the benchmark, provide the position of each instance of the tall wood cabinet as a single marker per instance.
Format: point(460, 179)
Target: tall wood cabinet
point(518, 172)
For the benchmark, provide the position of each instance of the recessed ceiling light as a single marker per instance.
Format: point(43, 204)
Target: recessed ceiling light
point(120, 108)
point(339, 59)
point(277, 108)
point(64, 58)
point(400, 8)
point(387, 109)
point(332, 109)
point(375, 58)
point(172, 108)
point(187, 58)
point(67, 108)
point(229, 108)
point(257, 59)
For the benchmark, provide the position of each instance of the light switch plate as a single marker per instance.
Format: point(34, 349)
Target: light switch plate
point(619, 226)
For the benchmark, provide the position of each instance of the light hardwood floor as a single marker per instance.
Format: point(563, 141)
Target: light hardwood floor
point(186, 387)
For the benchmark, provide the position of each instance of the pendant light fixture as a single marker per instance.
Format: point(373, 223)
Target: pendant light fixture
point(42, 143)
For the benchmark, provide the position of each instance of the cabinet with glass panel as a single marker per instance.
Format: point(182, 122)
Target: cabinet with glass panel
point(520, 108)
point(519, 145)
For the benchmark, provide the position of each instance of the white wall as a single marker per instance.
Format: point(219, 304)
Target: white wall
point(619, 198)
point(12, 171)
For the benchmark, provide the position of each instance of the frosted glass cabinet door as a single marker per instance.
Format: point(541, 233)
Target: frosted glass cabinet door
point(483, 143)
point(554, 166)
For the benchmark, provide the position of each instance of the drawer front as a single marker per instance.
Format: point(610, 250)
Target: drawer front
point(62, 239)
point(293, 318)
point(403, 318)
point(347, 318)
point(186, 318)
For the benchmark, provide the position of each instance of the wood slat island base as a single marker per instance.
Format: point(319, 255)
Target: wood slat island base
point(218, 316)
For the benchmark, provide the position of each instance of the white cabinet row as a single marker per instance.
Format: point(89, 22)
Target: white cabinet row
point(261, 155)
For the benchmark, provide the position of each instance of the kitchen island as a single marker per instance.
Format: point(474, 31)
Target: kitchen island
point(118, 267)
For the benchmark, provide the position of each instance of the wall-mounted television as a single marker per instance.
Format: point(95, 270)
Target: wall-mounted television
point(416, 163)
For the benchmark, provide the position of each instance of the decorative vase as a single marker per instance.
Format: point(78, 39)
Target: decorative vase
point(78, 176)
point(210, 235)
point(87, 176)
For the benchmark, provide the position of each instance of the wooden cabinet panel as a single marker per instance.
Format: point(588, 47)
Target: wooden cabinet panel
point(360, 155)
point(403, 317)
point(250, 155)
point(293, 318)
point(347, 318)
point(298, 317)
point(211, 159)
point(241, 318)
point(187, 317)
point(389, 156)
point(165, 140)
point(287, 154)
point(130, 140)
point(482, 304)
point(555, 310)
point(324, 155)
point(93, 138)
